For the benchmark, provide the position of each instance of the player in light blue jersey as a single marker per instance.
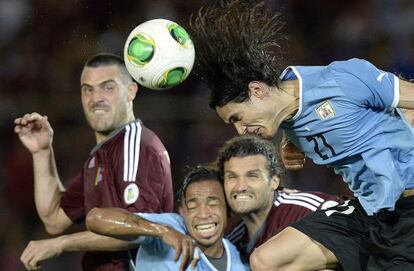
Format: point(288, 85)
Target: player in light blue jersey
point(164, 239)
point(344, 115)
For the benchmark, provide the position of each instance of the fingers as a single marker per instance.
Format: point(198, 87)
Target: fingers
point(185, 253)
point(30, 122)
point(28, 257)
point(27, 118)
point(196, 257)
point(292, 157)
point(188, 246)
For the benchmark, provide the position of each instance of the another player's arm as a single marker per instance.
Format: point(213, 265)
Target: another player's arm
point(406, 95)
point(120, 223)
point(38, 251)
point(36, 134)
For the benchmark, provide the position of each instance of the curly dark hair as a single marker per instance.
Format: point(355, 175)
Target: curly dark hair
point(247, 145)
point(236, 42)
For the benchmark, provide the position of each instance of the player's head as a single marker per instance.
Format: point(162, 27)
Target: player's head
point(251, 170)
point(107, 92)
point(202, 204)
point(239, 56)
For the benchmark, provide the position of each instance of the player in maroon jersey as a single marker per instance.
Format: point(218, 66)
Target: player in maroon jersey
point(251, 172)
point(128, 168)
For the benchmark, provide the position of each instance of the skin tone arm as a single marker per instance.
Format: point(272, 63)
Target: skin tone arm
point(406, 95)
point(38, 251)
point(36, 135)
point(299, 253)
point(119, 223)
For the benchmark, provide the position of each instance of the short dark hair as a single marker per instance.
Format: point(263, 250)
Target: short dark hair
point(108, 59)
point(236, 43)
point(247, 145)
point(197, 174)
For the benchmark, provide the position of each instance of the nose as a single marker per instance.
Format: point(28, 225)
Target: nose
point(241, 129)
point(241, 185)
point(203, 211)
point(97, 96)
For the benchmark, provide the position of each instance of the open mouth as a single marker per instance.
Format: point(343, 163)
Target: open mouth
point(99, 110)
point(242, 197)
point(206, 230)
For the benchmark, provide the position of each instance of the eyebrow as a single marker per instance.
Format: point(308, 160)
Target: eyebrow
point(194, 199)
point(100, 84)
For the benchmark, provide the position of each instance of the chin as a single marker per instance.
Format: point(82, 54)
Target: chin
point(208, 243)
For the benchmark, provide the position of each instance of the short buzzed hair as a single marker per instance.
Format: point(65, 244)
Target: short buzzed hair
point(108, 59)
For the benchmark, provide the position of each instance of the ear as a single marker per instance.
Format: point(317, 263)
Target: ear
point(258, 89)
point(181, 211)
point(274, 182)
point(132, 91)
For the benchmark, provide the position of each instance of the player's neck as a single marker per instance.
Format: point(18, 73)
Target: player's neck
point(215, 251)
point(100, 137)
point(255, 220)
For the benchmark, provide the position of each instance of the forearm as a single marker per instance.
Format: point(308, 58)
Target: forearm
point(89, 241)
point(47, 185)
point(406, 95)
point(120, 223)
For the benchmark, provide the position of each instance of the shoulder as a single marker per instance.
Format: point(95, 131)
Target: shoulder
point(308, 200)
point(359, 68)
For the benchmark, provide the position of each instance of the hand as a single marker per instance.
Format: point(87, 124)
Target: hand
point(183, 245)
point(292, 157)
point(38, 251)
point(34, 131)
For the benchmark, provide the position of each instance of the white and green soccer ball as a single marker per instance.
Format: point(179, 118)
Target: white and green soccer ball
point(159, 54)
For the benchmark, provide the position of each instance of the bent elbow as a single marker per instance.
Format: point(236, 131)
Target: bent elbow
point(54, 229)
point(92, 217)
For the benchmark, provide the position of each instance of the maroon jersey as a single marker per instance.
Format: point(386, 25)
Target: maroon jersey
point(287, 209)
point(129, 170)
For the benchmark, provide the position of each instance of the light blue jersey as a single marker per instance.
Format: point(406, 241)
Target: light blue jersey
point(156, 255)
point(347, 119)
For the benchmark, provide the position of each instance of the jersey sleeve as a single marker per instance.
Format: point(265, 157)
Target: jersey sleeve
point(172, 220)
point(367, 85)
point(72, 201)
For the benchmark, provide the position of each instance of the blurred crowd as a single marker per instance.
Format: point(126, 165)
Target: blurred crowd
point(44, 43)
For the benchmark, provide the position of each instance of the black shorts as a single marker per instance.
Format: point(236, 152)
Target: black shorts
point(384, 241)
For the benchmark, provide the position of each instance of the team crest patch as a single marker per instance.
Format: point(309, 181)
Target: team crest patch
point(131, 193)
point(325, 110)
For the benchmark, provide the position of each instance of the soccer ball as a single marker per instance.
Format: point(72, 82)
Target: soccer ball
point(159, 54)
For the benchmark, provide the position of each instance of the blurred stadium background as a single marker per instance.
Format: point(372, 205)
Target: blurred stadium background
point(43, 44)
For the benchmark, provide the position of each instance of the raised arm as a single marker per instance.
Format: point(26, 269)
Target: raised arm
point(36, 135)
point(406, 95)
point(40, 250)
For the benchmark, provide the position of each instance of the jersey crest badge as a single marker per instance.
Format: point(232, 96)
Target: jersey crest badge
point(131, 193)
point(325, 110)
